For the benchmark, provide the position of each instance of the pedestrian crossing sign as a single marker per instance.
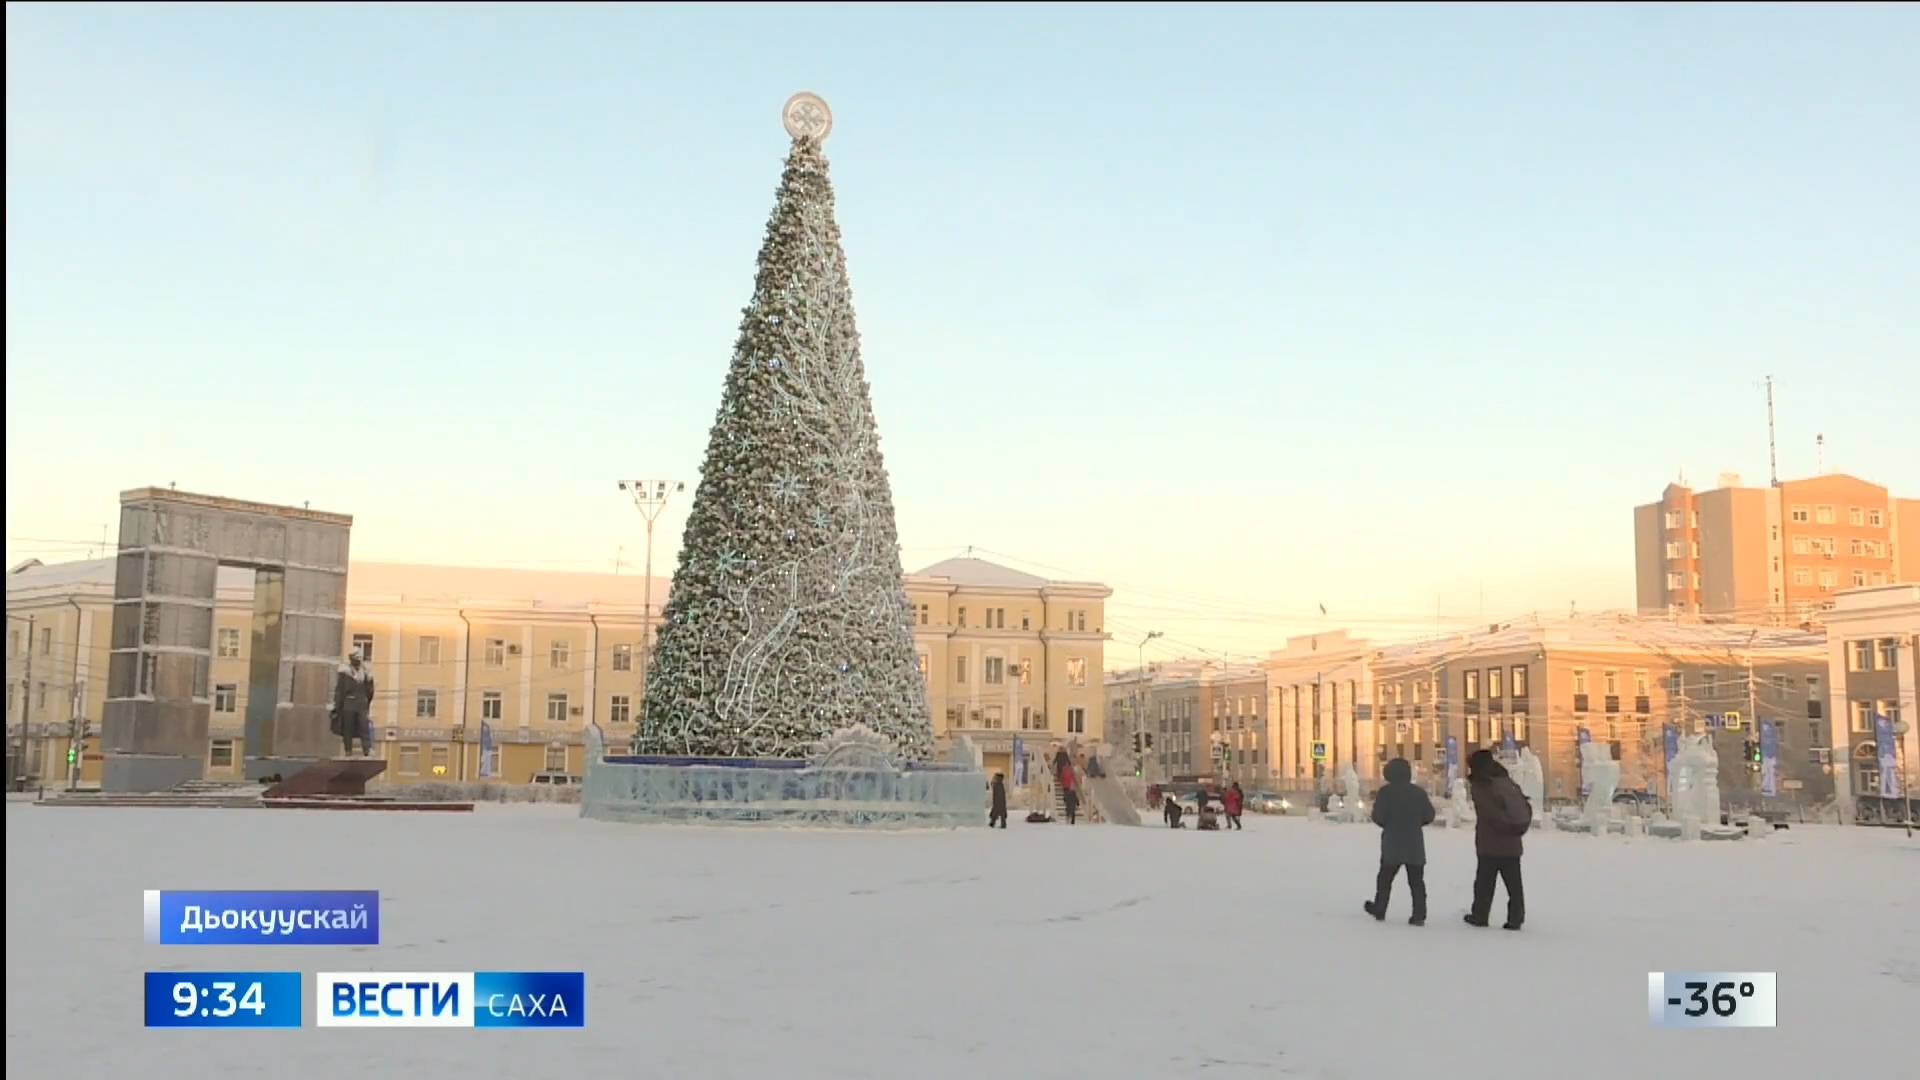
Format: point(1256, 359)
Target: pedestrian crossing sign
point(1733, 721)
point(1319, 751)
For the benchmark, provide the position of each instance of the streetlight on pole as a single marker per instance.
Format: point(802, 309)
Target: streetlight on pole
point(650, 498)
point(1140, 700)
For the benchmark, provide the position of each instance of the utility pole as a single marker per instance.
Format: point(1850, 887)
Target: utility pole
point(650, 498)
point(1140, 700)
point(1773, 460)
point(19, 778)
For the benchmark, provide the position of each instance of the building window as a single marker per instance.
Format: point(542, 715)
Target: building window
point(1859, 578)
point(1611, 680)
point(1519, 682)
point(960, 669)
point(1802, 576)
point(429, 650)
point(1493, 683)
point(996, 673)
point(1676, 581)
point(1802, 545)
point(1827, 579)
point(619, 709)
point(426, 704)
point(993, 717)
point(960, 618)
point(229, 644)
point(1473, 686)
point(1580, 680)
point(1856, 516)
point(1862, 717)
point(1879, 577)
point(409, 760)
point(1782, 684)
point(1874, 520)
point(920, 661)
point(923, 613)
point(496, 653)
point(1889, 653)
point(363, 644)
point(556, 758)
point(560, 655)
point(1026, 620)
point(1473, 730)
point(220, 754)
point(1891, 710)
point(1519, 727)
point(557, 708)
point(1709, 685)
point(490, 704)
point(1673, 549)
point(1076, 721)
point(1823, 515)
point(1673, 519)
point(1076, 671)
point(1855, 548)
point(1641, 685)
point(226, 697)
point(439, 757)
point(1799, 514)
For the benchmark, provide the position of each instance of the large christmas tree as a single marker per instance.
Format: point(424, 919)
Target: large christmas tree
point(788, 620)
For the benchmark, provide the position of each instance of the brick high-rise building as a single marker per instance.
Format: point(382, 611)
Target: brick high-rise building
point(1772, 554)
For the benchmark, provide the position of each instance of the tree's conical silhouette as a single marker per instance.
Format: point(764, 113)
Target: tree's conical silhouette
point(788, 619)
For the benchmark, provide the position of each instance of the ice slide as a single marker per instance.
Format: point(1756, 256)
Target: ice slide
point(1112, 802)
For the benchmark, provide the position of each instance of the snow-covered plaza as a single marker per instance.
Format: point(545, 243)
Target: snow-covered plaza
point(1040, 951)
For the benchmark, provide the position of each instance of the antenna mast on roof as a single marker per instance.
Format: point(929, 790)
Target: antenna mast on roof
point(1773, 458)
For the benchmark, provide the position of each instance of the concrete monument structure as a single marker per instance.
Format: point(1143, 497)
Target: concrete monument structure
point(172, 545)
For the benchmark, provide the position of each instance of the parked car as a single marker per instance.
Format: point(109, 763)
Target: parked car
point(556, 779)
point(1269, 802)
point(1643, 800)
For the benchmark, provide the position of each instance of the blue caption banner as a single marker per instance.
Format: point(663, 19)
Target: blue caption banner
point(223, 999)
point(450, 999)
point(327, 917)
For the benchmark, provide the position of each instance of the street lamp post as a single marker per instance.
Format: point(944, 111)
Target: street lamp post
point(650, 498)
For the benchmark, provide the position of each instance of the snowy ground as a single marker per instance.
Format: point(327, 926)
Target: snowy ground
point(1041, 951)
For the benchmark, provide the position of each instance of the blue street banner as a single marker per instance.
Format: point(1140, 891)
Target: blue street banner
point(1769, 758)
point(1019, 761)
point(284, 917)
point(486, 749)
point(1883, 745)
point(1581, 738)
point(1670, 735)
point(1506, 741)
point(1453, 762)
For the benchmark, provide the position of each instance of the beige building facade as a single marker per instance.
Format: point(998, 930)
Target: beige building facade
point(1774, 555)
point(1872, 645)
point(537, 656)
point(1321, 716)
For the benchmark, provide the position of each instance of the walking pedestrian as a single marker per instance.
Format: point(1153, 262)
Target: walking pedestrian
point(998, 810)
point(1502, 816)
point(1235, 800)
point(1401, 810)
point(1063, 773)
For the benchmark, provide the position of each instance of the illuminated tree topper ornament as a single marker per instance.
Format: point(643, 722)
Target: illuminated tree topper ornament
point(807, 116)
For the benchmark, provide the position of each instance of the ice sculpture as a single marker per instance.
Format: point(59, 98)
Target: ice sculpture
point(1602, 774)
point(1350, 798)
point(1532, 778)
point(1460, 807)
point(1695, 783)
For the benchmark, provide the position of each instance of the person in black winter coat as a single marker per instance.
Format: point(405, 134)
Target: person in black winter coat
point(1502, 815)
point(998, 814)
point(1401, 810)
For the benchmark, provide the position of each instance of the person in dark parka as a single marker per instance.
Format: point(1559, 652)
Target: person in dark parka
point(1502, 815)
point(998, 813)
point(1401, 810)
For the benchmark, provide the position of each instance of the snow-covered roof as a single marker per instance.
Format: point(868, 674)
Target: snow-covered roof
point(965, 570)
point(1621, 632)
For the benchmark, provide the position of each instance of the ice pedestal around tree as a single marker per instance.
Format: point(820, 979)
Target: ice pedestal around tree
point(1460, 807)
point(855, 778)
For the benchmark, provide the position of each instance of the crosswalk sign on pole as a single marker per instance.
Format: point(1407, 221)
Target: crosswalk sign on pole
point(1319, 751)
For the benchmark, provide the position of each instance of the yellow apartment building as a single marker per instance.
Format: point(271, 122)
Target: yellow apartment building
point(537, 656)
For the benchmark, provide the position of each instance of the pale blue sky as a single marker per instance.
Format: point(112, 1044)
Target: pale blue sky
point(1244, 310)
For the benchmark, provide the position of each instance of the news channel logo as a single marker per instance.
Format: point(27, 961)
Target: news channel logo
point(450, 999)
point(1710, 999)
point(307, 917)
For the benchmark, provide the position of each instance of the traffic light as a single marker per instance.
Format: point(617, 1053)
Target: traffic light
point(1139, 744)
point(73, 754)
point(1149, 740)
point(1753, 750)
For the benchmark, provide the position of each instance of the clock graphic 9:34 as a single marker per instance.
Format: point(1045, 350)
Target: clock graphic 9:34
point(223, 999)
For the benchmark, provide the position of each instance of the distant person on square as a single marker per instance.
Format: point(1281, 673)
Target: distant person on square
point(1502, 816)
point(998, 813)
point(1401, 810)
point(353, 705)
point(1234, 801)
